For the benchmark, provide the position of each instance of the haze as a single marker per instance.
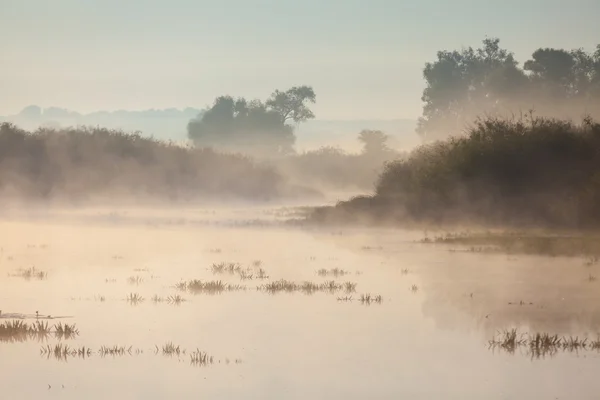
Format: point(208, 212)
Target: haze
point(299, 200)
point(364, 59)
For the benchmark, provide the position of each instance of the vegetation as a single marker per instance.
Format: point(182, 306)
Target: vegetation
point(96, 163)
point(253, 127)
point(531, 171)
point(569, 245)
point(462, 85)
point(333, 168)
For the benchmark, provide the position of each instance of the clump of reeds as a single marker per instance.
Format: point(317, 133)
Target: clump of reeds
point(540, 345)
point(414, 288)
point(345, 298)
point(404, 271)
point(157, 299)
point(169, 349)
point(20, 331)
point(115, 351)
point(197, 286)
point(200, 358)
point(261, 274)
point(335, 272)
point(245, 275)
point(65, 331)
point(368, 299)
point(350, 287)
point(134, 298)
point(176, 299)
point(305, 287)
point(30, 273)
point(135, 280)
point(591, 278)
point(224, 267)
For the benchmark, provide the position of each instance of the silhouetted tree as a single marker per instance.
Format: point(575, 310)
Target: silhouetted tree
point(463, 85)
point(374, 142)
point(291, 104)
point(253, 126)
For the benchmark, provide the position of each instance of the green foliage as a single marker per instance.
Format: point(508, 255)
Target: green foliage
point(253, 127)
point(90, 163)
point(463, 85)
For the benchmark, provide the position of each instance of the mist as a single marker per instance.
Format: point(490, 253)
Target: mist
point(299, 201)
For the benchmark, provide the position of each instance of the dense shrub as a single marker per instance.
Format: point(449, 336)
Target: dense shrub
point(90, 163)
point(535, 171)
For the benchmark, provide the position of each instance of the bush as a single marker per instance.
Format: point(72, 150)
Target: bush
point(536, 171)
point(92, 163)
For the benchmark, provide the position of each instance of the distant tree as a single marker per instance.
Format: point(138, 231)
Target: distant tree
point(463, 85)
point(291, 104)
point(374, 142)
point(253, 126)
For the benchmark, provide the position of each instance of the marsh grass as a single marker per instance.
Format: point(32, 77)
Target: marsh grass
point(200, 358)
point(197, 286)
point(115, 351)
point(176, 300)
point(245, 275)
point(135, 280)
point(20, 331)
point(30, 273)
point(225, 267)
point(169, 349)
point(261, 274)
point(591, 278)
point(305, 287)
point(540, 345)
point(335, 272)
point(157, 299)
point(414, 288)
point(134, 298)
point(368, 299)
point(526, 243)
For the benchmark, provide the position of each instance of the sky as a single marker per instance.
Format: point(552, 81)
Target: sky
point(364, 59)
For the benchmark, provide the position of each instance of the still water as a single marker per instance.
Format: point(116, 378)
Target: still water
point(426, 339)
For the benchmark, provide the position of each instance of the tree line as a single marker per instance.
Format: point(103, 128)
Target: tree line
point(463, 85)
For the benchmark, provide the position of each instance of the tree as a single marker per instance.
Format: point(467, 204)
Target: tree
point(374, 142)
point(291, 104)
point(463, 85)
point(253, 127)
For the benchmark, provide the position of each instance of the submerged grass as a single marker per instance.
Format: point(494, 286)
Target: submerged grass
point(540, 345)
point(580, 245)
point(335, 272)
point(368, 299)
point(30, 273)
point(306, 287)
point(20, 331)
point(197, 286)
point(134, 298)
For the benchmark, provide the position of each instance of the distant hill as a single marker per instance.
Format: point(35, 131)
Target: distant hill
point(171, 124)
point(166, 124)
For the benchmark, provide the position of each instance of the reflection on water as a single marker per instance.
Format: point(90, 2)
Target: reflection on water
point(313, 314)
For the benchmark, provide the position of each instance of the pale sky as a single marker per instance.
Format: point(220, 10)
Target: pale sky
point(363, 58)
